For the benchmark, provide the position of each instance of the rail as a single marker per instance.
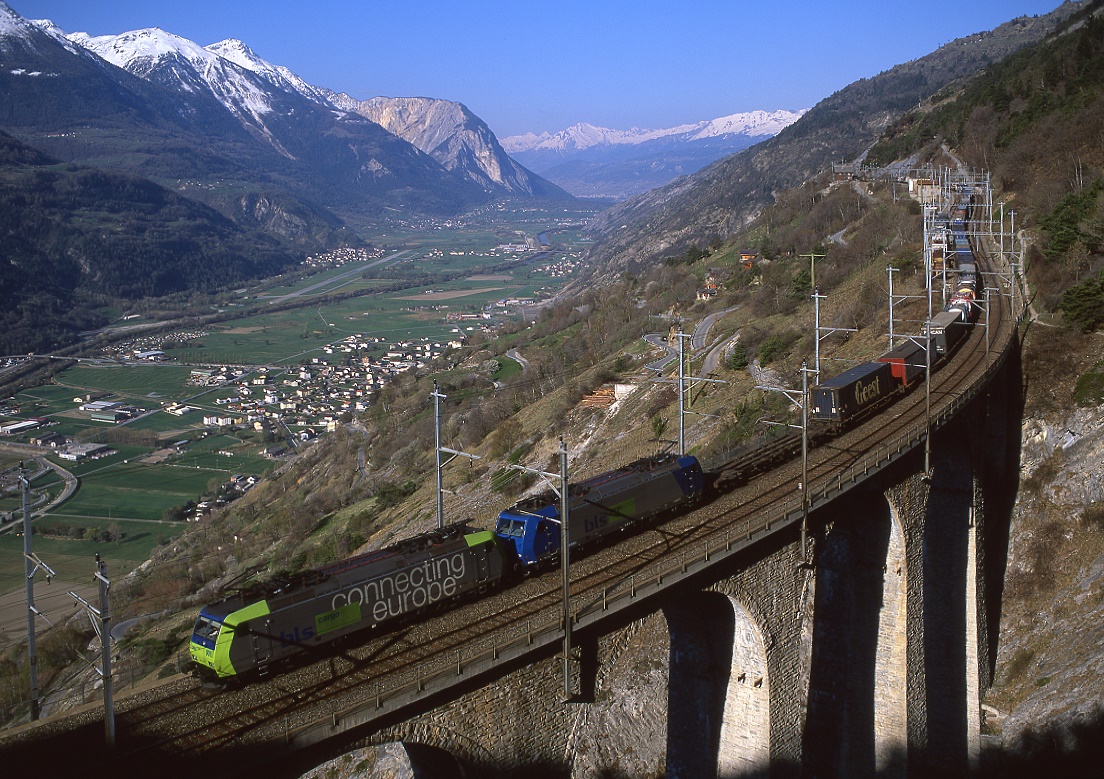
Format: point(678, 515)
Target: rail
point(761, 513)
point(514, 642)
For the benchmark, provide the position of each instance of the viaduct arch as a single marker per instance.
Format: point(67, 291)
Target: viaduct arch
point(869, 664)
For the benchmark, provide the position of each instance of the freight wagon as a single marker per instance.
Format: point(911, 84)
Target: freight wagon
point(907, 361)
point(855, 390)
point(947, 328)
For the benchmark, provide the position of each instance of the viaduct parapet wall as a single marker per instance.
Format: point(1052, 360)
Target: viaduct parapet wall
point(871, 662)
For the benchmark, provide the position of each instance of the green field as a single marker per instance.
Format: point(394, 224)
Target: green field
point(134, 490)
point(45, 400)
point(145, 384)
point(507, 369)
point(74, 560)
point(87, 468)
point(129, 493)
point(160, 422)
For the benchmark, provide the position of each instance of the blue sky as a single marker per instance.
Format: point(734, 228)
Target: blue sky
point(531, 66)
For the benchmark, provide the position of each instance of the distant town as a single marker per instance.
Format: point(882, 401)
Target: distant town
point(289, 406)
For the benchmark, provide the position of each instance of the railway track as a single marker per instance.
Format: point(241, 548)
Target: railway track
point(187, 720)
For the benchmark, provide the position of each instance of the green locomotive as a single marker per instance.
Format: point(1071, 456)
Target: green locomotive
point(250, 631)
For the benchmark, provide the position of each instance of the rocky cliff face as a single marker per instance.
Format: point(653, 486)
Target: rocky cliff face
point(1051, 655)
point(453, 136)
point(1045, 705)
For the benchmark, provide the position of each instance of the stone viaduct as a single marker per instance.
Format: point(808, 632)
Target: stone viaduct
point(869, 662)
point(742, 657)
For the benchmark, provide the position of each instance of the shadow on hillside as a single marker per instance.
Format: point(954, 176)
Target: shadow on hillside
point(1002, 476)
point(1070, 751)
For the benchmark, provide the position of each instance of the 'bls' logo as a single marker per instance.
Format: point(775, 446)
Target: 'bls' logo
point(296, 638)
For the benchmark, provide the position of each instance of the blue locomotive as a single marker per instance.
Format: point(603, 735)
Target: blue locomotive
point(600, 506)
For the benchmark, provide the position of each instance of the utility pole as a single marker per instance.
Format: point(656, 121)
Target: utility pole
point(105, 642)
point(1002, 230)
point(101, 623)
point(28, 567)
point(891, 270)
point(31, 564)
point(803, 404)
point(988, 291)
point(437, 397)
point(562, 492)
point(681, 395)
point(683, 389)
point(565, 568)
point(437, 445)
point(928, 347)
point(812, 267)
point(824, 332)
point(805, 460)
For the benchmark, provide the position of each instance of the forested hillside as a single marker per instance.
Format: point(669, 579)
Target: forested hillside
point(1034, 121)
point(79, 239)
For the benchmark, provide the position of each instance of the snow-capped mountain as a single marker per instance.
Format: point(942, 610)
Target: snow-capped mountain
point(262, 95)
point(180, 64)
point(591, 161)
point(24, 38)
point(752, 124)
point(452, 135)
point(247, 136)
point(218, 124)
point(237, 52)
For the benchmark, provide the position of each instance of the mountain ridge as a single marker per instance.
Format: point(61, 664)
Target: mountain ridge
point(723, 198)
point(584, 135)
point(591, 161)
point(221, 112)
point(454, 136)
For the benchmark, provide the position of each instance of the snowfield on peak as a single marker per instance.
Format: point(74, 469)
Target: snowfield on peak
point(144, 47)
point(583, 135)
point(237, 52)
point(156, 55)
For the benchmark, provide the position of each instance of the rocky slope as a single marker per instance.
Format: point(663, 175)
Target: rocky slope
point(455, 137)
point(1045, 704)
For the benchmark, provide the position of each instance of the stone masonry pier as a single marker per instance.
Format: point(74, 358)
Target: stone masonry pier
point(871, 662)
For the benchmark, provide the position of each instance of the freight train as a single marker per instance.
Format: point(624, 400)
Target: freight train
point(250, 632)
point(863, 389)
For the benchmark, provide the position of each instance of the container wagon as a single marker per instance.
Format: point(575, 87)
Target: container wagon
point(947, 329)
point(907, 360)
point(855, 390)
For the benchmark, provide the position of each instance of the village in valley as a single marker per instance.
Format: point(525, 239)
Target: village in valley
point(171, 424)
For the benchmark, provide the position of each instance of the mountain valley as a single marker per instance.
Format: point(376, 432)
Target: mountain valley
point(255, 167)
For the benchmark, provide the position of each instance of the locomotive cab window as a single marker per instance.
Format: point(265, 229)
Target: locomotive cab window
point(207, 628)
point(511, 528)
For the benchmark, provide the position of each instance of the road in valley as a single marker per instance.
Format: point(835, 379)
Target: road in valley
point(348, 274)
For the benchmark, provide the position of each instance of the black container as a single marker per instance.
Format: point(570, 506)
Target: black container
point(853, 391)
